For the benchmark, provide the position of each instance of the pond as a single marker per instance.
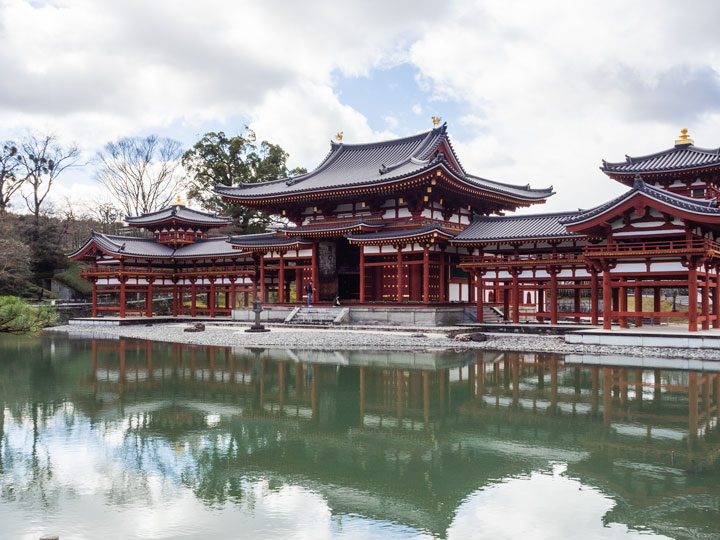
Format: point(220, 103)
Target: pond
point(138, 440)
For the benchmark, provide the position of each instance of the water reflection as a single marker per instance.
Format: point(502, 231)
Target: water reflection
point(181, 439)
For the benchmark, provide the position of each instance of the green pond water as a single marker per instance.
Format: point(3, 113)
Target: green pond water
point(139, 440)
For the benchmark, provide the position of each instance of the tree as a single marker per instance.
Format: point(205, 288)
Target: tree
point(10, 179)
point(141, 173)
point(220, 160)
point(43, 160)
point(19, 317)
point(107, 215)
point(14, 263)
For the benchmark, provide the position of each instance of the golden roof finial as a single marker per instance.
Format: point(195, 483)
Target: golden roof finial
point(178, 202)
point(684, 138)
point(339, 136)
point(436, 120)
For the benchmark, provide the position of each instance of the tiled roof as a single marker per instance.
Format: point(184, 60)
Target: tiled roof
point(128, 246)
point(265, 239)
point(179, 213)
point(391, 234)
point(675, 159)
point(495, 228)
point(331, 227)
point(207, 247)
point(350, 165)
point(689, 204)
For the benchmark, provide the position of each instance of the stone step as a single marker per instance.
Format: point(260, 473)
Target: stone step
point(321, 316)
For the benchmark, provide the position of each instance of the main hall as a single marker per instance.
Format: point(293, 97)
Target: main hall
point(401, 223)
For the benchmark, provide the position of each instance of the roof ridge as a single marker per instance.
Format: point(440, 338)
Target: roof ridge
point(524, 216)
point(526, 187)
point(674, 149)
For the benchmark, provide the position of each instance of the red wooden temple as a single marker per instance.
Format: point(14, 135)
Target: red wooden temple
point(402, 222)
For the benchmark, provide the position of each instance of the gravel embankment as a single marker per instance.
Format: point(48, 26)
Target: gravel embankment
point(346, 338)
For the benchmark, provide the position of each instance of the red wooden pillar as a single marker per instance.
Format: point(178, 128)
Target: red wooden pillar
point(706, 301)
point(471, 289)
point(553, 296)
point(541, 302)
point(149, 299)
point(638, 306)
point(263, 288)
point(362, 275)
point(716, 302)
point(623, 306)
point(515, 296)
point(94, 307)
point(122, 297)
point(607, 299)
point(506, 303)
point(480, 296)
point(211, 298)
point(576, 302)
point(233, 295)
point(281, 280)
point(692, 297)
point(657, 305)
point(441, 291)
point(426, 275)
point(594, 298)
point(193, 299)
point(399, 274)
point(175, 300)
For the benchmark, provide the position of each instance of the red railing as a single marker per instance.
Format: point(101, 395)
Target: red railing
point(539, 258)
point(696, 244)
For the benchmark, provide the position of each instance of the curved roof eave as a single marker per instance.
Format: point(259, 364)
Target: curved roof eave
point(539, 194)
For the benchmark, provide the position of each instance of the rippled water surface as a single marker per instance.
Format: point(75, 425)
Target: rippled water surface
point(135, 440)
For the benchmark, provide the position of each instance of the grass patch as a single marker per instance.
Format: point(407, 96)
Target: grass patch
point(72, 279)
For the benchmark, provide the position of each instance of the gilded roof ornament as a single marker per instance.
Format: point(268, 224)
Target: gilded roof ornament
point(684, 138)
point(339, 136)
point(436, 120)
point(178, 202)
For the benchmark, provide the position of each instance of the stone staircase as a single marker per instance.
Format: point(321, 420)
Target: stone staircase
point(490, 314)
point(318, 316)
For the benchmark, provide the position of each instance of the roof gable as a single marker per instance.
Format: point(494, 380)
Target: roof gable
point(696, 209)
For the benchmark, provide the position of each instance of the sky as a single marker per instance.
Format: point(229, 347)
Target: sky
point(532, 92)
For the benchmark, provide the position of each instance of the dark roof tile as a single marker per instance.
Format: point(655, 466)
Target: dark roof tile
point(675, 159)
point(180, 213)
point(349, 165)
point(499, 228)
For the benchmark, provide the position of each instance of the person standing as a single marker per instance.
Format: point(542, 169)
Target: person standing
point(309, 289)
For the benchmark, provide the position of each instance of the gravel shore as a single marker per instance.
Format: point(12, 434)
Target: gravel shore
point(347, 338)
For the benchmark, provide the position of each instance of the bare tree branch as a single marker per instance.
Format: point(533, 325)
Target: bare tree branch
point(43, 160)
point(10, 179)
point(143, 174)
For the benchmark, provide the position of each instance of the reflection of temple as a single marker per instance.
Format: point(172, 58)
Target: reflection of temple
point(408, 442)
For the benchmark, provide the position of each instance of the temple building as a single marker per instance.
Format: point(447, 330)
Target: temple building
point(401, 223)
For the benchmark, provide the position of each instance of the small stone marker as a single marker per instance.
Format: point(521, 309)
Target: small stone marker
point(50, 537)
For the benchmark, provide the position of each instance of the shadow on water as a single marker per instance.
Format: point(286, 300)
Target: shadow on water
point(402, 438)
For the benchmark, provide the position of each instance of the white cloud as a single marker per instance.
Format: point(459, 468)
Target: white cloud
point(546, 89)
